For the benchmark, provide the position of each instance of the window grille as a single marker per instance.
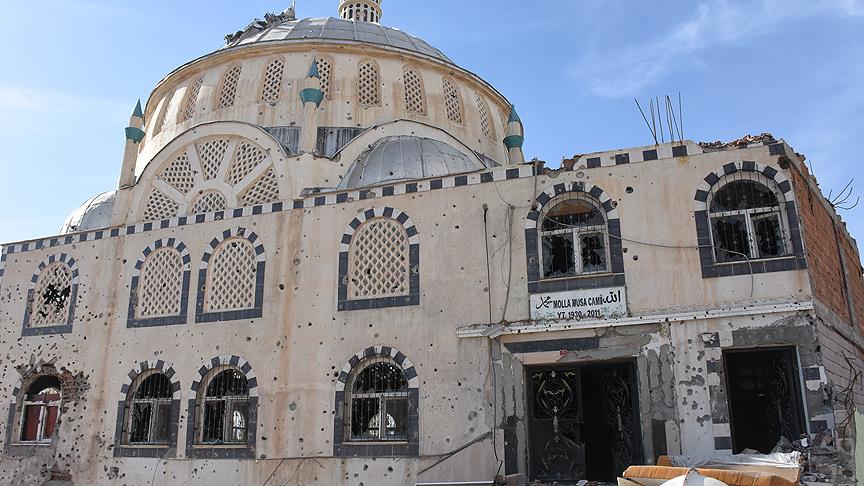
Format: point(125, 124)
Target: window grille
point(212, 154)
point(149, 411)
point(229, 87)
point(159, 207)
point(289, 138)
point(51, 296)
point(452, 102)
point(378, 260)
point(747, 219)
point(209, 202)
point(369, 87)
point(574, 238)
point(161, 286)
point(271, 89)
point(163, 115)
point(485, 118)
point(414, 98)
point(40, 410)
point(378, 405)
point(225, 409)
point(247, 157)
point(178, 174)
point(264, 190)
point(332, 139)
point(192, 99)
point(324, 73)
point(231, 276)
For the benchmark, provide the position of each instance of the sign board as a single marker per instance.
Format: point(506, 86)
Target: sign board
point(591, 304)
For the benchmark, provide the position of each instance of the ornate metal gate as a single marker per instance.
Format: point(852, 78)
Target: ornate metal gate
point(557, 452)
point(619, 420)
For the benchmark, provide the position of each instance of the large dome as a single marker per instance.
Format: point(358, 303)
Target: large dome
point(333, 29)
point(406, 157)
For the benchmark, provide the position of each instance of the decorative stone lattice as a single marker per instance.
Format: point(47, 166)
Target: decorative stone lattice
point(247, 157)
point(231, 277)
point(163, 115)
point(178, 174)
point(379, 265)
point(192, 99)
point(159, 207)
point(161, 287)
point(452, 102)
point(324, 73)
point(485, 118)
point(229, 87)
point(209, 202)
point(51, 296)
point(414, 99)
point(211, 155)
point(271, 89)
point(264, 190)
point(369, 85)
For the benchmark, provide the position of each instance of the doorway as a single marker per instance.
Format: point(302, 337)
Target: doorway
point(765, 401)
point(583, 422)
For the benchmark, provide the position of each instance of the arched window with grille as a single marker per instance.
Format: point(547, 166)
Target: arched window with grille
point(486, 124)
point(452, 101)
point(574, 238)
point(369, 84)
point(148, 410)
point(379, 262)
point(377, 402)
point(228, 93)
point(51, 300)
point(159, 293)
point(325, 73)
point(231, 277)
point(39, 410)
point(415, 97)
point(191, 99)
point(271, 84)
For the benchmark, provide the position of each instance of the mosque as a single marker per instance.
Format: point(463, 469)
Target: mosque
point(328, 262)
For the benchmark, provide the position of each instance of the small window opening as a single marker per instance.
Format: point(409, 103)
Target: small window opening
point(746, 222)
point(226, 409)
point(379, 404)
point(40, 410)
point(150, 411)
point(574, 240)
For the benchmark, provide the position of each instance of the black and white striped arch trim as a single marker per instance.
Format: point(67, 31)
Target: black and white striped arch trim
point(413, 297)
point(121, 447)
point(702, 193)
point(257, 310)
point(229, 361)
point(609, 206)
point(375, 352)
point(131, 320)
point(66, 327)
point(166, 369)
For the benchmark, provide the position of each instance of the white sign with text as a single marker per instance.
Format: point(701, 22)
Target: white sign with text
point(607, 303)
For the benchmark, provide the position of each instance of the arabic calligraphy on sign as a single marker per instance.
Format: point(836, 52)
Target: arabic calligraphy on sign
point(592, 304)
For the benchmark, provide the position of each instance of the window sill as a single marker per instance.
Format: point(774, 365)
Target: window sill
point(755, 260)
point(145, 446)
point(376, 443)
point(32, 444)
point(220, 446)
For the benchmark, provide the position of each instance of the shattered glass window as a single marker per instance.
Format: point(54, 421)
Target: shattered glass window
point(746, 221)
point(379, 404)
point(225, 412)
point(573, 238)
point(150, 411)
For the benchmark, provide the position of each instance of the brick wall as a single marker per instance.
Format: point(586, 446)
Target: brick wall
point(823, 258)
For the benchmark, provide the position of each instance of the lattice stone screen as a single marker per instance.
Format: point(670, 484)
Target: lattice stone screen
point(192, 99)
point(485, 118)
point(159, 207)
point(179, 174)
point(378, 260)
point(51, 296)
point(368, 87)
point(163, 115)
point(161, 285)
point(211, 155)
point(271, 89)
point(324, 71)
point(209, 202)
point(265, 189)
point(452, 102)
point(248, 157)
point(231, 277)
point(414, 98)
point(229, 87)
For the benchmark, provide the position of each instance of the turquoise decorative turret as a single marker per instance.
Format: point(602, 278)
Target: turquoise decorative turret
point(134, 136)
point(311, 92)
point(311, 96)
point(515, 138)
point(134, 132)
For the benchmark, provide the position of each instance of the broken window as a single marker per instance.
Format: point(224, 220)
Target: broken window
point(746, 219)
point(574, 239)
point(225, 409)
point(379, 403)
point(51, 302)
point(149, 410)
point(40, 410)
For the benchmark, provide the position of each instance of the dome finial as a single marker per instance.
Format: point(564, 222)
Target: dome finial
point(361, 10)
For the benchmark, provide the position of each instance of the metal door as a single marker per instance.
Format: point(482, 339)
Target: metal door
point(557, 452)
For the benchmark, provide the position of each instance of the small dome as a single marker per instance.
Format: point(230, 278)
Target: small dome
point(405, 157)
point(93, 214)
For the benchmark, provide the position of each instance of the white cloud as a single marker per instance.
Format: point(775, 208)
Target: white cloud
point(713, 23)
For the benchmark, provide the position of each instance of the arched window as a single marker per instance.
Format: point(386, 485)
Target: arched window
point(378, 263)
point(52, 296)
point(485, 118)
point(325, 71)
point(574, 237)
point(161, 286)
point(229, 87)
point(231, 276)
point(163, 114)
point(452, 102)
point(271, 86)
point(369, 90)
point(378, 402)
point(193, 90)
point(224, 408)
point(415, 101)
point(40, 409)
point(747, 218)
point(148, 410)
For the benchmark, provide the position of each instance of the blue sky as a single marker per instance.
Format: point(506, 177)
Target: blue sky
point(73, 69)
